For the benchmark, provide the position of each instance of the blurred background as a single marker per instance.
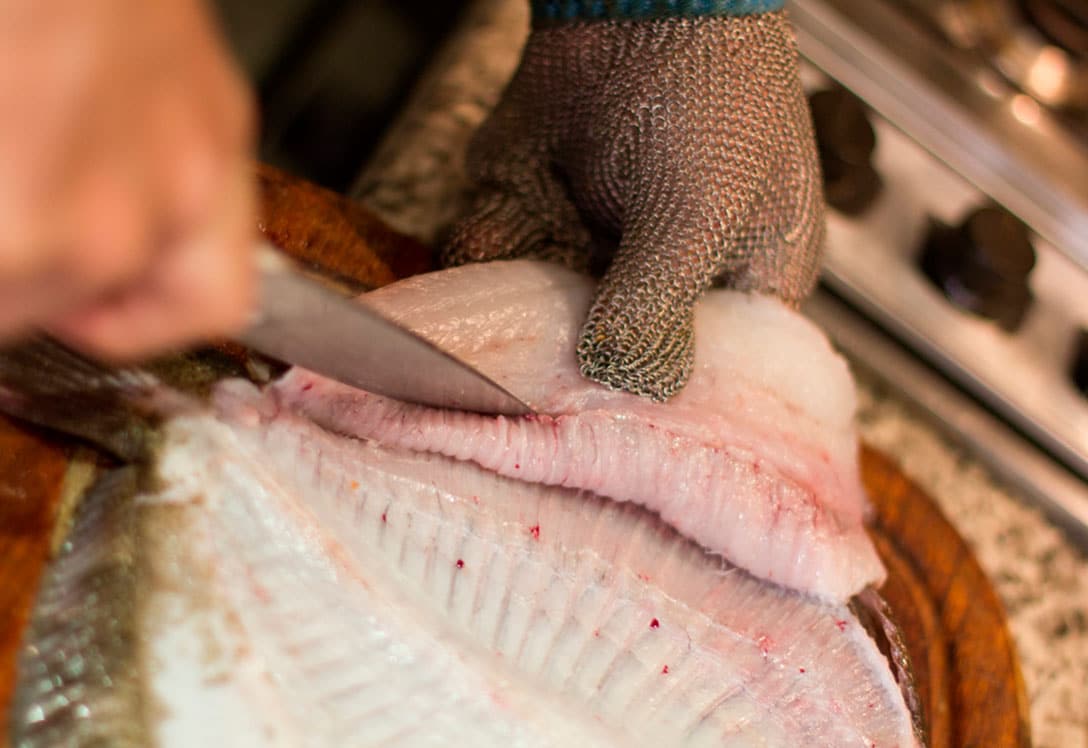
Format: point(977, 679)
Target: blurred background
point(330, 74)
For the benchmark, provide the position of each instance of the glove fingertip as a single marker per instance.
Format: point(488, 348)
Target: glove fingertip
point(636, 353)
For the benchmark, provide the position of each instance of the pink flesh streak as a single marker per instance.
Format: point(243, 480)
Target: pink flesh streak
point(756, 459)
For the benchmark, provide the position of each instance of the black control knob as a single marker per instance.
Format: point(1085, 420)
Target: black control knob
point(983, 265)
point(1080, 363)
point(846, 141)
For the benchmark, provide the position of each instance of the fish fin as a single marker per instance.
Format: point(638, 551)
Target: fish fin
point(79, 653)
point(49, 385)
point(875, 616)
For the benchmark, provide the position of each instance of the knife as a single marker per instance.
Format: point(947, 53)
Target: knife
point(302, 322)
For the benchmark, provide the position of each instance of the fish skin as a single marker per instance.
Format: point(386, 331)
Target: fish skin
point(46, 384)
point(756, 459)
point(79, 659)
point(875, 615)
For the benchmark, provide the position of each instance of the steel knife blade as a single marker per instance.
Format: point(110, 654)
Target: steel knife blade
point(302, 322)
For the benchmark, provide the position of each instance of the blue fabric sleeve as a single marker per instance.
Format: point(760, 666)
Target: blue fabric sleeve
point(558, 11)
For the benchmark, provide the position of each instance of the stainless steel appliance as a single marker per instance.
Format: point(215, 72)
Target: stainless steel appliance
point(954, 137)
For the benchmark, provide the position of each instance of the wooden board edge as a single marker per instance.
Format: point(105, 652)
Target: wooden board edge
point(987, 700)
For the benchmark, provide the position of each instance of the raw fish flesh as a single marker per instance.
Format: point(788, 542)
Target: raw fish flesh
point(756, 459)
point(262, 577)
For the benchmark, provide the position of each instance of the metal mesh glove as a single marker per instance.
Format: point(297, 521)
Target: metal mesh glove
point(678, 152)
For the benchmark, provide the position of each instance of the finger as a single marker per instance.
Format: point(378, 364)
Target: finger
point(81, 221)
point(228, 102)
point(104, 247)
point(201, 288)
point(215, 275)
point(639, 333)
point(196, 147)
point(521, 208)
point(110, 222)
point(35, 153)
point(20, 302)
point(198, 286)
point(501, 226)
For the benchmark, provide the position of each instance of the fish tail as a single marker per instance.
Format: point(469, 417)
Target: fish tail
point(46, 384)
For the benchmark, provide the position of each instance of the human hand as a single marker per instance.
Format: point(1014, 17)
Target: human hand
point(126, 195)
point(677, 152)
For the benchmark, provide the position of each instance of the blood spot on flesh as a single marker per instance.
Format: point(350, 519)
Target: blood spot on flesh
point(535, 532)
point(460, 564)
point(644, 577)
point(308, 387)
point(262, 593)
point(384, 518)
point(665, 670)
point(517, 466)
point(801, 670)
point(841, 624)
point(596, 633)
point(655, 624)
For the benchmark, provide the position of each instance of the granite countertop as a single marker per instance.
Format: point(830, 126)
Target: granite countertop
point(416, 183)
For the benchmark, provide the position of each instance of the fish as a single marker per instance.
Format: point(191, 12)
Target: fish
point(281, 565)
point(756, 459)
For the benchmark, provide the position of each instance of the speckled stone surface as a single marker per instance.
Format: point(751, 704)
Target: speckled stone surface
point(416, 182)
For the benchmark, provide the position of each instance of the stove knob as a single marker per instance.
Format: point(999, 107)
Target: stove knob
point(846, 140)
point(1080, 363)
point(983, 265)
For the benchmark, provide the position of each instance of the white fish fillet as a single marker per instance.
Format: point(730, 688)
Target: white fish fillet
point(281, 584)
point(311, 590)
point(755, 459)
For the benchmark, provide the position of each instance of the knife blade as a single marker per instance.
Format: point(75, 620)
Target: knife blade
point(302, 322)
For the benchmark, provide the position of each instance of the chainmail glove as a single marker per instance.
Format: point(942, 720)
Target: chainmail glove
point(677, 152)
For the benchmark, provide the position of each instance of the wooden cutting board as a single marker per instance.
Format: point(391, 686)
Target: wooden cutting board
point(952, 620)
